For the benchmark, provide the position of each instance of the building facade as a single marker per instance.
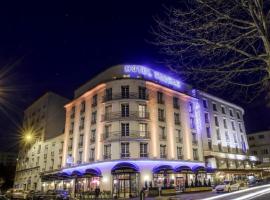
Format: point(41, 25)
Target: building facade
point(44, 120)
point(260, 146)
point(132, 126)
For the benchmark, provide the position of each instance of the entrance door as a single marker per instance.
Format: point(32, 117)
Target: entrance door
point(125, 185)
point(124, 188)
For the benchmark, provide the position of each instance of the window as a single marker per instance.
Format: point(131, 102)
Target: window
point(238, 115)
point(218, 134)
point(125, 129)
point(190, 107)
point(81, 127)
point(261, 136)
point(219, 147)
point(194, 138)
point(142, 111)
point(254, 152)
point(143, 150)
point(82, 106)
point(125, 110)
point(223, 110)
point(125, 91)
point(70, 143)
point(179, 153)
point(216, 121)
point(108, 94)
point(80, 157)
point(205, 103)
point(179, 135)
point(107, 131)
point(192, 123)
point(161, 115)
point(125, 150)
point(195, 154)
point(208, 132)
point(251, 138)
point(240, 127)
point(225, 123)
point(143, 130)
point(93, 136)
point(214, 107)
point(142, 92)
point(206, 117)
point(233, 127)
point(162, 133)
point(264, 151)
point(92, 154)
point(234, 138)
point(231, 112)
point(94, 117)
point(227, 136)
point(163, 151)
point(209, 144)
point(107, 151)
point(94, 100)
point(177, 118)
point(108, 111)
point(81, 141)
point(160, 98)
point(176, 103)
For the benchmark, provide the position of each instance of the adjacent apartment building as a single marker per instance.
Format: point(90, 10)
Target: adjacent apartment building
point(260, 147)
point(132, 126)
point(45, 118)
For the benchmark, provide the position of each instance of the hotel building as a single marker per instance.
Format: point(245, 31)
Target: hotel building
point(132, 127)
point(44, 120)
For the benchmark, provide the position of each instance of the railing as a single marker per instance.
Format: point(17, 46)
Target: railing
point(133, 135)
point(92, 140)
point(195, 142)
point(163, 156)
point(107, 156)
point(130, 115)
point(179, 139)
point(163, 137)
point(125, 155)
point(161, 119)
point(144, 155)
point(125, 96)
point(180, 157)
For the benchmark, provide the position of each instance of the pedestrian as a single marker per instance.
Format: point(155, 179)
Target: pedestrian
point(97, 192)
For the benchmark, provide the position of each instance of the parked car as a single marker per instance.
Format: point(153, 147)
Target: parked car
point(18, 194)
point(227, 186)
point(57, 194)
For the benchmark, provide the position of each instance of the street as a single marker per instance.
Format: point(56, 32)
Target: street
point(258, 193)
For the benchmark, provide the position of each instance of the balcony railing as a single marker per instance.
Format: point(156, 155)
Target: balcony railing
point(107, 156)
point(144, 155)
point(180, 157)
point(92, 140)
point(163, 156)
point(125, 155)
point(179, 139)
point(130, 115)
point(163, 137)
point(195, 142)
point(133, 135)
point(126, 96)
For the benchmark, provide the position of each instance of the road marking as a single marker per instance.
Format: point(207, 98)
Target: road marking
point(253, 195)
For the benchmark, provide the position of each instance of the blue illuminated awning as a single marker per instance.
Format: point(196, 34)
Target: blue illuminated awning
point(183, 169)
point(198, 169)
point(92, 172)
point(125, 167)
point(163, 169)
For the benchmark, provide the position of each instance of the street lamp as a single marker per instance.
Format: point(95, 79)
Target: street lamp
point(28, 137)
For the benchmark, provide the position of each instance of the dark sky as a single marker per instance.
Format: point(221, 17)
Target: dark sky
point(62, 45)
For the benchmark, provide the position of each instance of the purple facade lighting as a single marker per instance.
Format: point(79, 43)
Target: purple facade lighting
point(152, 75)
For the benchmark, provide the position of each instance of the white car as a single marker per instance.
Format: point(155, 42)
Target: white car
point(227, 186)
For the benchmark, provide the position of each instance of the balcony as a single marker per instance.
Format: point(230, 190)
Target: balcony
point(107, 157)
point(133, 135)
point(129, 96)
point(143, 155)
point(195, 142)
point(125, 155)
point(131, 115)
point(163, 156)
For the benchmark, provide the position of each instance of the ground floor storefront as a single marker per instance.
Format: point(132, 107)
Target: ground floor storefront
point(125, 179)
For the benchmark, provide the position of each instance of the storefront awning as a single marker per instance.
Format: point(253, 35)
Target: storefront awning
point(210, 170)
point(125, 167)
point(76, 174)
point(163, 169)
point(198, 169)
point(183, 169)
point(92, 172)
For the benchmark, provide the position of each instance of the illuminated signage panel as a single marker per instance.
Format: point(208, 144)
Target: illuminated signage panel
point(152, 74)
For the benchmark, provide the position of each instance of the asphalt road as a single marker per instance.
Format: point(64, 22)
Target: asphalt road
point(255, 193)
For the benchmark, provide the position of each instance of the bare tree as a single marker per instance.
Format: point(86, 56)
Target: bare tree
point(218, 44)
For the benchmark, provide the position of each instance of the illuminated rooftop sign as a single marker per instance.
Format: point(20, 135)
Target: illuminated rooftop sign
point(151, 74)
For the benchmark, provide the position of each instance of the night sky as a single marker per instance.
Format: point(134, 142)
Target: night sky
point(59, 46)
